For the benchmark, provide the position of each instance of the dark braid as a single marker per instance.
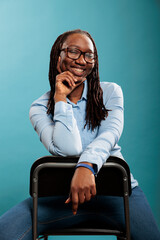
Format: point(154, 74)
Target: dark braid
point(95, 110)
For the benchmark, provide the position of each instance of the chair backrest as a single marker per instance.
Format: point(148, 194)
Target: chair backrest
point(57, 171)
point(51, 175)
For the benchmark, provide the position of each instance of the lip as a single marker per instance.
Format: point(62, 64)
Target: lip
point(78, 71)
point(81, 68)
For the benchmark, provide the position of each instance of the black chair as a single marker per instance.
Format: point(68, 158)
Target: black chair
point(51, 176)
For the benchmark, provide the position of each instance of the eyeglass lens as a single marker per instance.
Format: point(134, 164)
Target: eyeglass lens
point(74, 53)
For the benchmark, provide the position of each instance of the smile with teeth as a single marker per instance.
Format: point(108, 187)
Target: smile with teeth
point(78, 70)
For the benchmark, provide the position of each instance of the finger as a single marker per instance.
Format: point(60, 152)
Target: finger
point(65, 77)
point(72, 76)
point(69, 74)
point(68, 200)
point(81, 196)
point(76, 79)
point(74, 203)
point(93, 191)
point(68, 82)
point(58, 65)
point(79, 82)
point(72, 80)
point(88, 195)
point(64, 80)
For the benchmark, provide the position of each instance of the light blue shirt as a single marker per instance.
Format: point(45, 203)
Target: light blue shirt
point(64, 133)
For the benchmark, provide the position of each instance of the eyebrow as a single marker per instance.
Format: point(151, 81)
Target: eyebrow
point(76, 46)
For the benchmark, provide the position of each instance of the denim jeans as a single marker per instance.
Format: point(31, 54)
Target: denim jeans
point(16, 224)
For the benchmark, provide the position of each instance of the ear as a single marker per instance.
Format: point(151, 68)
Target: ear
point(58, 65)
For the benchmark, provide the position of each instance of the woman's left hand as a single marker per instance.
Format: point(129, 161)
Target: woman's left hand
point(83, 187)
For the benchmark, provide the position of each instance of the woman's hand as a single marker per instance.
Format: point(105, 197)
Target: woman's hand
point(66, 82)
point(83, 187)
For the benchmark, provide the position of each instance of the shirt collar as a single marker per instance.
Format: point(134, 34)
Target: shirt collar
point(85, 90)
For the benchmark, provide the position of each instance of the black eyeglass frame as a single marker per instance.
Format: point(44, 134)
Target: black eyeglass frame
point(81, 53)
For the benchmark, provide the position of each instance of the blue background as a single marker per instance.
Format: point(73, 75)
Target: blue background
point(127, 35)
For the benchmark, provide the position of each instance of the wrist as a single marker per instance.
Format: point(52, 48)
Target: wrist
point(88, 166)
point(59, 97)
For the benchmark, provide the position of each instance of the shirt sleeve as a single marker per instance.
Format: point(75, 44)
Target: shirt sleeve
point(109, 131)
point(59, 134)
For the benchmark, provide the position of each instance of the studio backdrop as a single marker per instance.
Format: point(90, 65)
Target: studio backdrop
point(127, 35)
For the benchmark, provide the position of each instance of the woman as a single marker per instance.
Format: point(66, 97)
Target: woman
point(79, 116)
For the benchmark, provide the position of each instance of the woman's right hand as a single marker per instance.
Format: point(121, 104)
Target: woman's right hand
point(83, 187)
point(65, 84)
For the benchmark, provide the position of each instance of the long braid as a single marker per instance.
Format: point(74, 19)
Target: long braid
point(95, 109)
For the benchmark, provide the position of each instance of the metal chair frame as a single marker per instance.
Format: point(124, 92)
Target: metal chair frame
point(60, 163)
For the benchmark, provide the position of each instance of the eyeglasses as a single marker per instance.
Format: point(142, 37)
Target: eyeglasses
point(75, 53)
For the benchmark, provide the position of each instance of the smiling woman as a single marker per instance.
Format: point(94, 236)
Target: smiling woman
point(74, 64)
point(77, 69)
point(80, 116)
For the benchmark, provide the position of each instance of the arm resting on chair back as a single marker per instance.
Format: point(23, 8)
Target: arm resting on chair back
point(58, 172)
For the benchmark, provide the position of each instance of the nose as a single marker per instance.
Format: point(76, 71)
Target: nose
point(81, 60)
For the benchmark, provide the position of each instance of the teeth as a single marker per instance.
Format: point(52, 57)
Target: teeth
point(79, 70)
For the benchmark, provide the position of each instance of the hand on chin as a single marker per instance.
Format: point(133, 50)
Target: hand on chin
point(79, 79)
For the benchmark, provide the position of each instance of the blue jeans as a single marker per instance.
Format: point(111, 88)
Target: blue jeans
point(16, 224)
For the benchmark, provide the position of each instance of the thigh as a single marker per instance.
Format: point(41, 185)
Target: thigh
point(143, 225)
point(101, 211)
point(16, 223)
point(53, 213)
point(109, 211)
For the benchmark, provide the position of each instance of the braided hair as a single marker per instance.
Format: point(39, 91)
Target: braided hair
point(95, 109)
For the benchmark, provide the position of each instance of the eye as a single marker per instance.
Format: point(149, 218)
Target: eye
point(73, 50)
point(89, 55)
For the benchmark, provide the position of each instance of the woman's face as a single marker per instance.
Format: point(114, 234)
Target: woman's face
point(79, 67)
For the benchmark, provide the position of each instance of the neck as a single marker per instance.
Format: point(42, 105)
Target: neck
point(76, 94)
